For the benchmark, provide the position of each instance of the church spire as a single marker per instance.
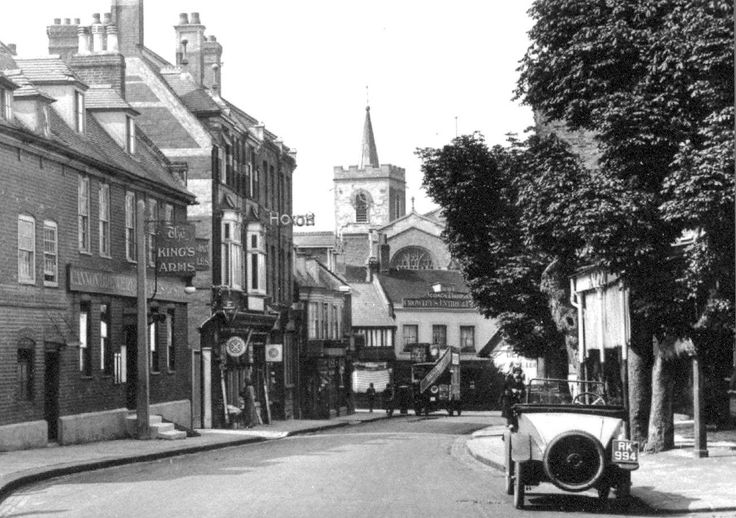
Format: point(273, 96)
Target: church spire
point(369, 158)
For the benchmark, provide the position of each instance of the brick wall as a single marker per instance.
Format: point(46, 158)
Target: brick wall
point(35, 183)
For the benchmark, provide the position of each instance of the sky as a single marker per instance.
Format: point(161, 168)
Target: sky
point(430, 70)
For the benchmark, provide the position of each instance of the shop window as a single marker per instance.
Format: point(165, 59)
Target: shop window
point(409, 335)
point(25, 373)
point(130, 213)
point(83, 213)
point(170, 341)
point(104, 217)
point(467, 338)
point(439, 335)
point(85, 349)
point(106, 353)
point(26, 249)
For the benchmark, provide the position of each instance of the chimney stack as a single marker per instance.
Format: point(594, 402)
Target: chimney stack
point(127, 15)
point(63, 38)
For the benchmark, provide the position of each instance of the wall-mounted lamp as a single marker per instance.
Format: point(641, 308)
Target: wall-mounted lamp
point(189, 288)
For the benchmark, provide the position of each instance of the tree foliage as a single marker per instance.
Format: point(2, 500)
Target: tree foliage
point(654, 80)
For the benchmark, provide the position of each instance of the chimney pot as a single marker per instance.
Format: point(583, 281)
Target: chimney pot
point(183, 19)
point(195, 18)
point(83, 40)
point(57, 21)
point(12, 48)
point(212, 38)
point(77, 21)
point(112, 38)
point(96, 18)
point(67, 21)
point(98, 36)
point(107, 18)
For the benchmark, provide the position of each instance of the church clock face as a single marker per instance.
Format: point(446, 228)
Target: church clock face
point(412, 258)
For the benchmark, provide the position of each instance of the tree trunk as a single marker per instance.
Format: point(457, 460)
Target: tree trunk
point(640, 382)
point(555, 285)
point(661, 421)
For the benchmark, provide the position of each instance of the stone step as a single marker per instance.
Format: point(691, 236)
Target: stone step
point(172, 435)
point(159, 428)
point(155, 423)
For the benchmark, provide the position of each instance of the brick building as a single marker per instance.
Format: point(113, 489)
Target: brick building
point(241, 174)
point(73, 170)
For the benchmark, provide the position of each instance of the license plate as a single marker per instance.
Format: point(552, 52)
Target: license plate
point(433, 399)
point(625, 452)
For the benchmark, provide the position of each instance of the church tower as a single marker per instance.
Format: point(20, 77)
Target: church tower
point(367, 196)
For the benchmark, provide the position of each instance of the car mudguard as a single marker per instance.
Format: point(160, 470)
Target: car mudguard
point(521, 447)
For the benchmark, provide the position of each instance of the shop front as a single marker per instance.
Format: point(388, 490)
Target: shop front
point(245, 365)
point(325, 385)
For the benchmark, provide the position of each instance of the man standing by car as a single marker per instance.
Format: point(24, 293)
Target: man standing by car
point(388, 399)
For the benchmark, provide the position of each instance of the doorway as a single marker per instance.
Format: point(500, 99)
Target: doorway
point(51, 394)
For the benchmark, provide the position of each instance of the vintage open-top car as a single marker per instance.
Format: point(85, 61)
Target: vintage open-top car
point(572, 434)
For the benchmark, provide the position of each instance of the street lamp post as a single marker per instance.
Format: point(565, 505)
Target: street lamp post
point(142, 386)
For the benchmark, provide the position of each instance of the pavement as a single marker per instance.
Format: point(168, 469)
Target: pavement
point(673, 481)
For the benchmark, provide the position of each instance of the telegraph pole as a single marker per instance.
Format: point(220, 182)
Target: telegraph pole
point(142, 388)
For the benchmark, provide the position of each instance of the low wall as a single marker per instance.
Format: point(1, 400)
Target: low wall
point(93, 426)
point(178, 412)
point(22, 436)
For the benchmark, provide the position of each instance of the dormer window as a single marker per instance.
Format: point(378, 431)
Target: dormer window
point(6, 103)
point(130, 135)
point(79, 111)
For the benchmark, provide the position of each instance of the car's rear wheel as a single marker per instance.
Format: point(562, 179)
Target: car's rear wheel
point(519, 485)
point(574, 460)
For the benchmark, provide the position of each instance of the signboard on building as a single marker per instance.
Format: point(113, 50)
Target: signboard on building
point(235, 346)
point(274, 352)
point(176, 249)
point(444, 300)
point(202, 254)
point(121, 284)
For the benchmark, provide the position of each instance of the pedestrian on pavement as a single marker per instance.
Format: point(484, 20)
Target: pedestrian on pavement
point(371, 392)
point(388, 399)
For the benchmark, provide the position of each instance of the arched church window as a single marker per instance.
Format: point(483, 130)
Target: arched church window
point(361, 208)
point(412, 258)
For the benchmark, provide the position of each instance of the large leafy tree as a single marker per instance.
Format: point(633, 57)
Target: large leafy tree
point(652, 80)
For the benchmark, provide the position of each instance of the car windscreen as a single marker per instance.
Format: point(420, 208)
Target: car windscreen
point(572, 392)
